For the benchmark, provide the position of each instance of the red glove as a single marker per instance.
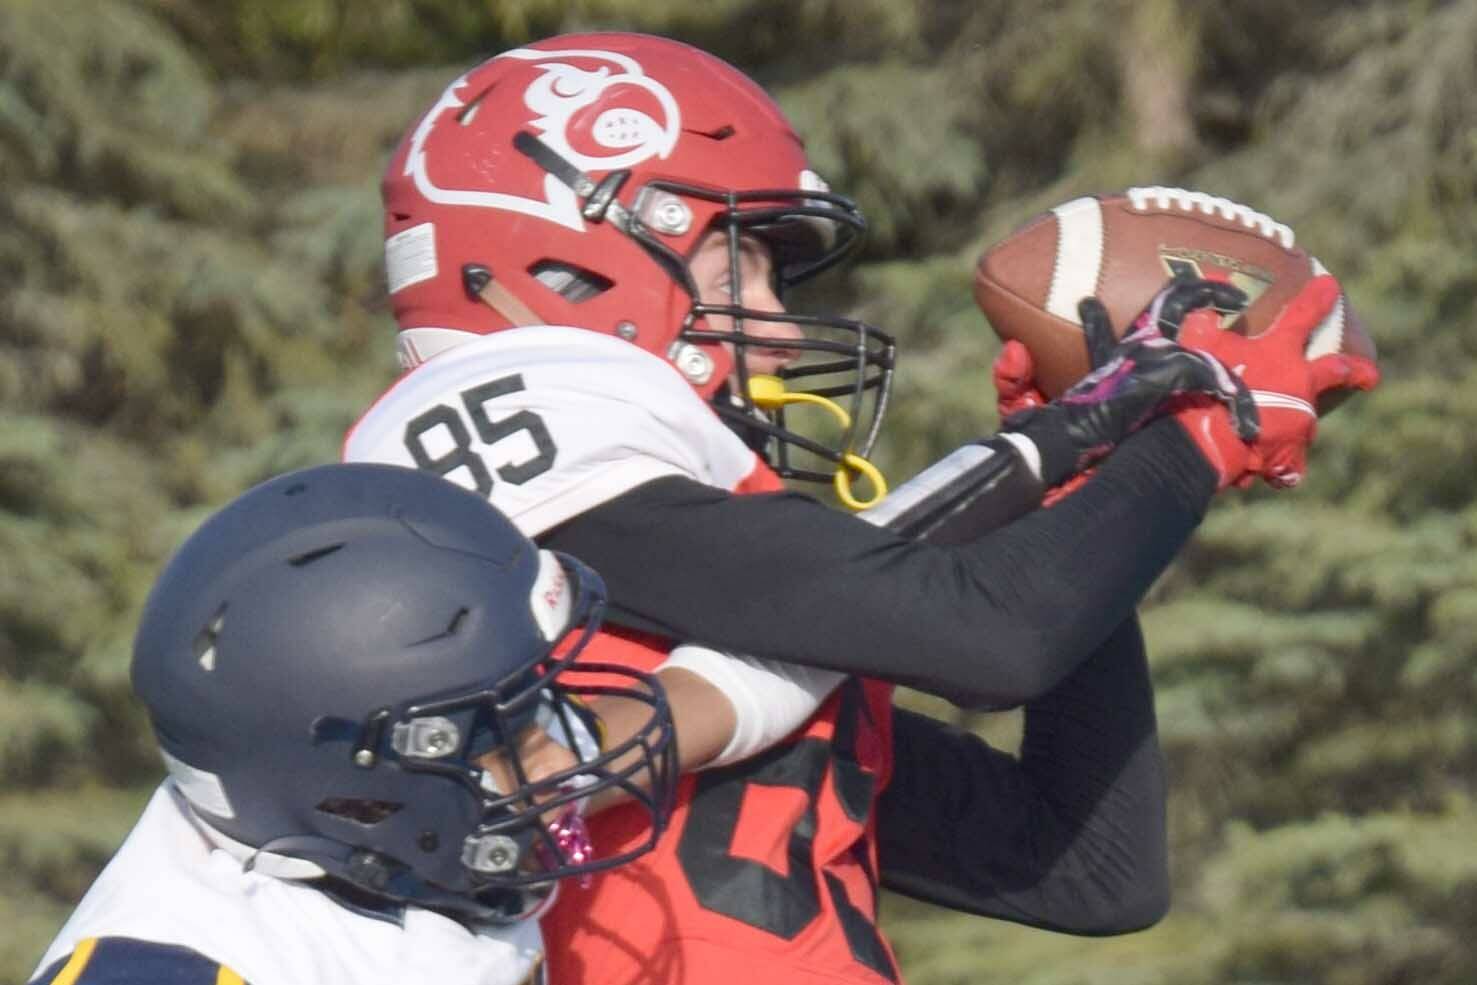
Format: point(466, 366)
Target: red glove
point(1015, 380)
point(1016, 390)
point(1284, 384)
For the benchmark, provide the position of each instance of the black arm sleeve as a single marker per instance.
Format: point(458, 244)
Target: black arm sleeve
point(1070, 837)
point(961, 497)
point(996, 621)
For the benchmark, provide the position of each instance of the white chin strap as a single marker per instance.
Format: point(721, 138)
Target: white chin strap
point(254, 859)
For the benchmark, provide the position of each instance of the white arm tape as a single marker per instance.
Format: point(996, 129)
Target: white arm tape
point(770, 700)
point(951, 480)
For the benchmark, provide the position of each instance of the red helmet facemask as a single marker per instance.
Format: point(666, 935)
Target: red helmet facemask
point(566, 183)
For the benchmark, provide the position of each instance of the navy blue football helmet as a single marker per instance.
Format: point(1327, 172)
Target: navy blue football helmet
point(326, 659)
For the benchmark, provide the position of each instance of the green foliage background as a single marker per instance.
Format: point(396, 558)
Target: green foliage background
point(190, 301)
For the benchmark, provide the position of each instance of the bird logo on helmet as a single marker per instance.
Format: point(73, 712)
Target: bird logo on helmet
point(568, 182)
point(634, 118)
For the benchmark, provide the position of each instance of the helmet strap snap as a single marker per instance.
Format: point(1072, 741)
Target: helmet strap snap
point(694, 364)
point(480, 285)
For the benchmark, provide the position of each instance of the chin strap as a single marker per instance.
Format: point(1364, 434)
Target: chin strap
point(254, 859)
point(480, 285)
point(769, 393)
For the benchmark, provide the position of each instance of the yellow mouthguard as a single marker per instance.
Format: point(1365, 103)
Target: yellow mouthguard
point(769, 393)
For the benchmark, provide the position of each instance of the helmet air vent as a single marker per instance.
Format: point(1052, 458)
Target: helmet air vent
point(307, 558)
point(453, 627)
point(365, 812)
point(468, 112)
point(205, 640)
point(571, 282)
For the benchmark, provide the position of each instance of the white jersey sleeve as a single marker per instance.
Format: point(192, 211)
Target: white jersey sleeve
point(548, 422)
point(169, 884)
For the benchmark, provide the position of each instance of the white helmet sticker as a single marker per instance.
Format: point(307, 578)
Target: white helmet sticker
point(550, 600)
point(812, 182)
point(410, 256)
point(824, 228)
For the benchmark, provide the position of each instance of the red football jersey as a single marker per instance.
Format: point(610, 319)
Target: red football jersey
point(769, 864)
point(768, 871)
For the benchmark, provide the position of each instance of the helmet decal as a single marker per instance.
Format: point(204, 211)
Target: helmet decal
point(550, 597)
point(559, 204)
point(637, 120)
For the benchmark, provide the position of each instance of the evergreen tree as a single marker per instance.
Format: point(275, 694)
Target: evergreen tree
point(192, 301)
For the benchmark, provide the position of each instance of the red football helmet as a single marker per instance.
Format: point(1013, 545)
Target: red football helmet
point(566, 183)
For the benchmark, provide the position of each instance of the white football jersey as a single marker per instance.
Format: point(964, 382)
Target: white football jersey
point(547, 422)
point(169, 884)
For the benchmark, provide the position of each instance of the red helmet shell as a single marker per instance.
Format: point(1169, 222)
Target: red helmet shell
point(458, 192)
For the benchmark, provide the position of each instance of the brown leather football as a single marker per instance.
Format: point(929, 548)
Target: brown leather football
point(1122, 249)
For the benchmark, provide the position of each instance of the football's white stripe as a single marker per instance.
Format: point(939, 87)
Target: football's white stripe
point(1079, 256)
point(1328, 337)
point(1282, 401)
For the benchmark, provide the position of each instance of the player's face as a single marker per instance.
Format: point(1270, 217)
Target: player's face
point(713, 276)
point(540, 755)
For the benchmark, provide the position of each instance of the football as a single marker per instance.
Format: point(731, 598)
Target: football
point(1121, 249)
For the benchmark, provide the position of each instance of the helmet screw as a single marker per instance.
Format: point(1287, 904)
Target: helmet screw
point(438, 743)
point(490, 853)
point(364, 758)
point(672, 217)
point(694, 363)
point(428, 841)
point(367, 869)
point(626, 330)
point(663, 211)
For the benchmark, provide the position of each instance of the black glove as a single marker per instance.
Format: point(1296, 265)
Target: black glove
point(1133, 379)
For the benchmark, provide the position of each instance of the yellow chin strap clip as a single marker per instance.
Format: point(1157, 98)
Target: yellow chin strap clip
point(769, 393)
